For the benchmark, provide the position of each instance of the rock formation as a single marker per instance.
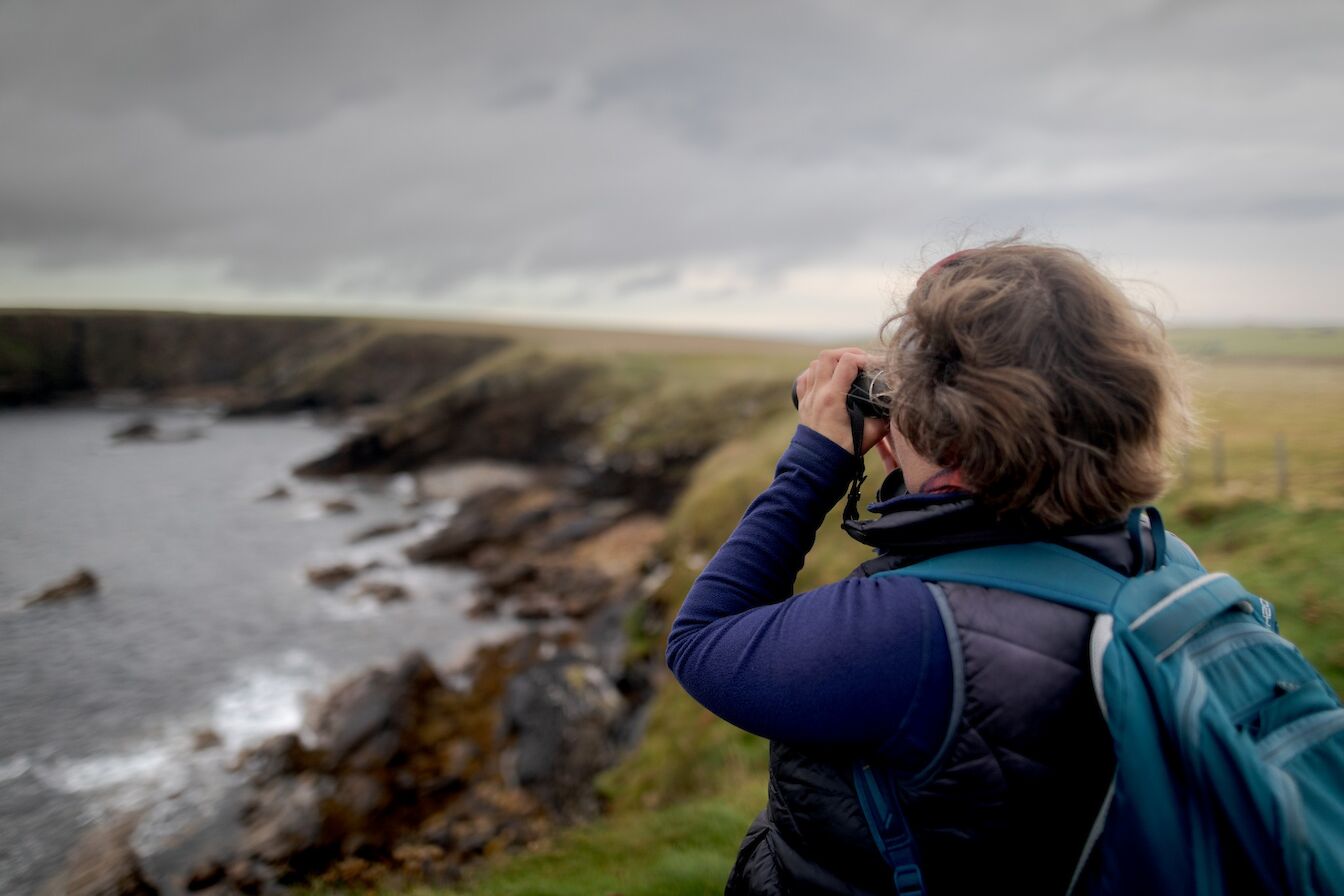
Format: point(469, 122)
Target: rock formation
point(80, 583)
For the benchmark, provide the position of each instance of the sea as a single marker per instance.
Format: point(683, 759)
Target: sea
point(204, 636)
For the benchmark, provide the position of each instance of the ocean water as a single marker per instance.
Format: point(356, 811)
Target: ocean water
point(203, 620)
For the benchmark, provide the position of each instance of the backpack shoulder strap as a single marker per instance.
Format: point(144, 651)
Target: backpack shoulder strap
point(1040, 569)
point(882, 809)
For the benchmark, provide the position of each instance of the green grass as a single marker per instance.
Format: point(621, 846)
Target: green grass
point(1291, 557)
point(1280, 343)
point(683, 849)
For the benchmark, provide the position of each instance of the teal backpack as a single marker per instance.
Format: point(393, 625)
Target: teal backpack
point(1229, 745)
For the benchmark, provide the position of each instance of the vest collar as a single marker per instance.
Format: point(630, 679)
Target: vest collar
point(913, 526)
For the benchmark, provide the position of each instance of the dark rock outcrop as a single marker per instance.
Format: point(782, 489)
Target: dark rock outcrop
point(404, 775)
point(562, 714)
point(384, 592)
point(337, 506)
point(251, 364)
point(534, 414)
point(45, 355)
point(80, 583)
point(333, 575)
point(141, 429)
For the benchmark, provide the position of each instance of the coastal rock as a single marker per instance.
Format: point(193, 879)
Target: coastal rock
point(205, 877)
point(379, 530)
point(80, 583)
point(103, 863)
point(141, 429)
point(205, 739)
point(489, 817)
point(145, 429)
point(595, 518)
point(409, 779)
point(279, 755)
point(562, 713)
point(376, 702)
point(384, 592)
point(534, 414)
point(285, 819)
point(332, 576)
point(277, 493)
point(495, 516)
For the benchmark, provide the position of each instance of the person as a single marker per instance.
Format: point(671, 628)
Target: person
point(1029, 400)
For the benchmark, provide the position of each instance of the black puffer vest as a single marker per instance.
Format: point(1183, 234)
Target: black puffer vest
point(1007, 803)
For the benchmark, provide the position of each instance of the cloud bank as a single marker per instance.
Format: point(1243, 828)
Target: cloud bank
point(784, 165)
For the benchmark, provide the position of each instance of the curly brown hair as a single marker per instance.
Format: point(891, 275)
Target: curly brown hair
point(1031, 373)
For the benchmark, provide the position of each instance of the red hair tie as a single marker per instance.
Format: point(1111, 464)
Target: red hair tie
point(949, 260)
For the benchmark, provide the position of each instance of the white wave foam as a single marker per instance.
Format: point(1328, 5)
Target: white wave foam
point(351, 609)
point(119, 781)
point(258, 702)
point(261, 702)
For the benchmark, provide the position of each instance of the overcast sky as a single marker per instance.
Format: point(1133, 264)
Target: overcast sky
point(780, 167)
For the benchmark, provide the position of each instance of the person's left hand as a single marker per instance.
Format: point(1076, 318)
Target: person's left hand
point(822, 390)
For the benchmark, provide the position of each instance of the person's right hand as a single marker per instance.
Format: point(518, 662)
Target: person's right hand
point(822, 391)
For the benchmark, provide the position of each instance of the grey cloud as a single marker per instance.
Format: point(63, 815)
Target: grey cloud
point(422, 144)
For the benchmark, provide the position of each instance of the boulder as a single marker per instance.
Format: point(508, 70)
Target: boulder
point(103, 863)
point(284, 819)
point(140, 429)
point(332, 576)
point(275, 757)
point(384, 592)
point(80, 583)
point(339, 506)
point(473, 525)
point(562, 713)
point(375, 702)
point(208, 875)
point(144, 429)
point(496, 516)
point(595, 518)
point(205, 739)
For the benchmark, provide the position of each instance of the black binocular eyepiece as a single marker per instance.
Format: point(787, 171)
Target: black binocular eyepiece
point(860, 398)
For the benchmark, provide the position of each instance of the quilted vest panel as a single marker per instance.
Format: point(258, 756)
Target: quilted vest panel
point(1008, 806)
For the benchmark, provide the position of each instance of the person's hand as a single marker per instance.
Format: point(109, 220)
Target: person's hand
point(822, 390)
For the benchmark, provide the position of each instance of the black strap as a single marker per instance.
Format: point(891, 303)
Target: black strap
point(860, 472)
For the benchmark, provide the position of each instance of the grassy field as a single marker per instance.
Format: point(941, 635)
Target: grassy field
point(1266, 343)
point(678, 805)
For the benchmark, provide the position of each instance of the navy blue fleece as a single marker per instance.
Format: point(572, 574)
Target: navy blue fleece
point(860, 663)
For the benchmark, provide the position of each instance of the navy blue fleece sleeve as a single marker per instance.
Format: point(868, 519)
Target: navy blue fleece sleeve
point(859, 662)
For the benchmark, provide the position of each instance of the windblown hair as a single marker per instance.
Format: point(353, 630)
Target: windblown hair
point(1029, 371)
